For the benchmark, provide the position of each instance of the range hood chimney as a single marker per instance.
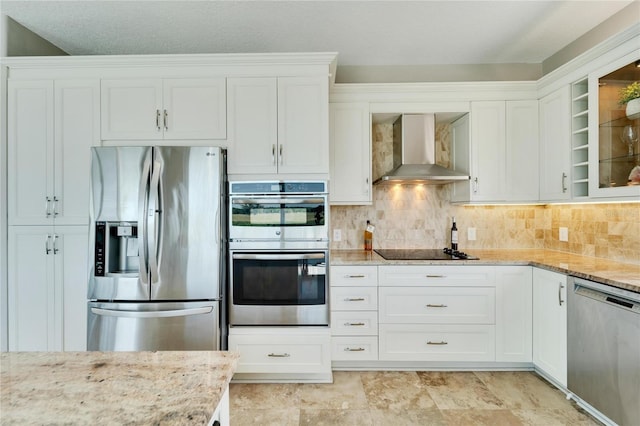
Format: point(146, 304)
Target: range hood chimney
point(414, 151)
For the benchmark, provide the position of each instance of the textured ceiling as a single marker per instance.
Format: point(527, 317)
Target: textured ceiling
point(362, 32)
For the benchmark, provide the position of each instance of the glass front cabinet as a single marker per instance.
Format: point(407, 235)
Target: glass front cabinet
point(614, 137)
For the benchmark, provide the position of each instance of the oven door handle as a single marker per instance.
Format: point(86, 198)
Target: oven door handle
point(263, 256)
point(277, 200)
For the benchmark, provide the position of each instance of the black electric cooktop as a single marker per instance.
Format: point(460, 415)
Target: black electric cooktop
point(424, 254)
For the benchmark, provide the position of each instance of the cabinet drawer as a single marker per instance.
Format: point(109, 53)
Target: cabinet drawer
point(437, 305)
point(274, 353)
point(357, 323)
point(410, 342)
point(354, 275)
point(354, 298)
point(422, 275)
point(345, 348)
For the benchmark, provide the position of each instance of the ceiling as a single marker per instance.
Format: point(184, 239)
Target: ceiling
point(364, 33)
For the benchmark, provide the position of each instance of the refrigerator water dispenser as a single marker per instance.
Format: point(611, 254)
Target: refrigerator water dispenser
point(116, 251)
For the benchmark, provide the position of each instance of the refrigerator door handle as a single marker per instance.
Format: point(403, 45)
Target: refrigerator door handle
point(153, 314)
point(153, 218)
point(142, 217)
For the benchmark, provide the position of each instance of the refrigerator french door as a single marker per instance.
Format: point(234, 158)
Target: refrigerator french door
point(157, 248)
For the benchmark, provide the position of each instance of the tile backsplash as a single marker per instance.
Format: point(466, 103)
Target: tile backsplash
point(419, 216)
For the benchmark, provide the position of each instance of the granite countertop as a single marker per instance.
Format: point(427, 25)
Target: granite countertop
point(617, 274)
point(176, 388)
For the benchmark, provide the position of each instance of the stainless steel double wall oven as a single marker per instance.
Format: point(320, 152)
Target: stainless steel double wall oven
point(279, 253)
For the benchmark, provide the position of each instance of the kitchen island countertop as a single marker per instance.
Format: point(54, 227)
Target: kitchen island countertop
point(176, 388)
point(617, 274)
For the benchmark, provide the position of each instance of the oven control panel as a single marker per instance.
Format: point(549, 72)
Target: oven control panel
point(287, 187)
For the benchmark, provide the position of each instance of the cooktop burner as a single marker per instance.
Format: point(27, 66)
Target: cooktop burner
point(423, 254)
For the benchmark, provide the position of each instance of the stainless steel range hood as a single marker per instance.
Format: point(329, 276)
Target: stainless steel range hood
point(414, 154)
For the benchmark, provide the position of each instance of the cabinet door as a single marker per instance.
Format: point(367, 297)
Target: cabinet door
point(303, 125)
point(514, 322)
point(31, 289)
point(30, 152)
point(461, 158)
point(131, 109)
point(77, 121)
point(194, 108)
point(350, 153)
point(488, 151)
point(555, 144)
point(253, 133)
point(522, 181)
point(71, 272)
point(550, 324)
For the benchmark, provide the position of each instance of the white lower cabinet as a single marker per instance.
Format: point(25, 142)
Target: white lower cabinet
point(550, 324)
point(382, 314)
point(514, 316)
point(437, 313)
point(47, 288)
point(281, 353)
point(354, 313)
point(428, 342)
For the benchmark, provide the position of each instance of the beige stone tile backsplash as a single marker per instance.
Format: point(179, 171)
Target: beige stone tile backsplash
point(419, 216)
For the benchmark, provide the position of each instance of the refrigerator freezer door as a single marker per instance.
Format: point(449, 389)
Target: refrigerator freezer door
point(185, 234)
point(153, 326)
point(119, 185)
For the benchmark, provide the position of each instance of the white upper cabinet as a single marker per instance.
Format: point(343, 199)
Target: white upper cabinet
point(181, 108)
point(500, 153)
point(488, 145)
point(51, 128)
point(253, 125)
point(350, 153)
point(522, 151)
point(555, 145)
point(278, 125)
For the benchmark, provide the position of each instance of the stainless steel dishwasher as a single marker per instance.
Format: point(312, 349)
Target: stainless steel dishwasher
point(604, 349)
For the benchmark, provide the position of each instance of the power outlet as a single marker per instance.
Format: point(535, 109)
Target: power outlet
point(337, 235)
point(563, 233)
point(471, 234)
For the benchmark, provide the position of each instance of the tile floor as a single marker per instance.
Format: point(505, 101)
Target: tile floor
point(407, 398)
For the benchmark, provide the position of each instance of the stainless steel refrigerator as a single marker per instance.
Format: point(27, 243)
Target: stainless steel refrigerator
point(157, 248)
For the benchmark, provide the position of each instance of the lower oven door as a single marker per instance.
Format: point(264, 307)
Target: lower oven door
point(279, 288)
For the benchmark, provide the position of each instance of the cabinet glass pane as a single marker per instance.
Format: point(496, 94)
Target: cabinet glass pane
point(619, 153)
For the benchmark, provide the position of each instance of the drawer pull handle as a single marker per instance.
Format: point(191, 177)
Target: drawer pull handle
point(354, 299)
point(355, 276)
point(436, 306)
point(440, 343)
point(354, 349)
point(354, 324)
point(284, 355)
point(435, 276)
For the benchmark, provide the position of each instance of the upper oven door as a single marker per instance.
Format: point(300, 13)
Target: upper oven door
point(278, 217)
